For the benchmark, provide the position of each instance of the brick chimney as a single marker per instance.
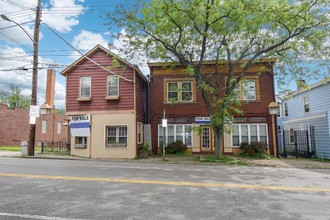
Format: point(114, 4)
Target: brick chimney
point(50, 87)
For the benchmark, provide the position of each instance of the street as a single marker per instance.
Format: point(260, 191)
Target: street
point(90, 189)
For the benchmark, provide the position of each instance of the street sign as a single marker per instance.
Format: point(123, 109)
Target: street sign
point(34, 111)
point(164, 123)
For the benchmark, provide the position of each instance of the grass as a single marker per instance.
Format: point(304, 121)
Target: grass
point(10, 148)
point(225, 160)
point(320, 159)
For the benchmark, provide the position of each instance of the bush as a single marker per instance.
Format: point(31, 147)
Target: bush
point(255, 149)
point(176, 147)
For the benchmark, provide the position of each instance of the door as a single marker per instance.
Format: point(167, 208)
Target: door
point(206, 139)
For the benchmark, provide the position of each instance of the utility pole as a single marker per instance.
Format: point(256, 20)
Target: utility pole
point(32, 134)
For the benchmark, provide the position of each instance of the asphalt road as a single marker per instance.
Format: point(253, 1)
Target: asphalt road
point(73, 189)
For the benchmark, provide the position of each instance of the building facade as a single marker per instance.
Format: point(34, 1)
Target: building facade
point(106, 98)
point(188, 113)
point(308, 110)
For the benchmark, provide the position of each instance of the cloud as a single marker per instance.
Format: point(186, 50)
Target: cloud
point(66, 13)
point(85, 41)
point(11, 72)
point(21, 11)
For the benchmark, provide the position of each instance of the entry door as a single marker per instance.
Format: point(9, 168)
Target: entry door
point(206, 139)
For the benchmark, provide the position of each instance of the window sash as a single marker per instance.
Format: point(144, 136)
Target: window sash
point(116, 136)
point(59, 127)
point(249, 133)
point(249, 89)
point(306, 104)
point(113, 85)
point(85, 87)
point(181, 91)
point(43, 127)
point(174, 132)
point(286, 109)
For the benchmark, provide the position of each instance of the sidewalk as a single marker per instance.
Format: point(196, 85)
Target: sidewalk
point(190, 159)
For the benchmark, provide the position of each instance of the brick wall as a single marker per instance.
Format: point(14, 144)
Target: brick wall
point(14, 127)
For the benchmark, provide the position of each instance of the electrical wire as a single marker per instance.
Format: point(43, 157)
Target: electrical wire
point(102, 67)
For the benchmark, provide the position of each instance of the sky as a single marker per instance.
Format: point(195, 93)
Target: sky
point(81, 23)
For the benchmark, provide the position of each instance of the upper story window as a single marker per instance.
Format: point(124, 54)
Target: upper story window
point(85, 87)
point(59, 127)
point(286, 109)
point(179, 90)
point(247, 89)
point(278, 113)
point(306, 104)
point(113, 86)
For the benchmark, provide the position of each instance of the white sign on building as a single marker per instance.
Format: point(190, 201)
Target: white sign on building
point(80, 125)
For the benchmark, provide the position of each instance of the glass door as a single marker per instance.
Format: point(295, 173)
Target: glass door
point(206, 139)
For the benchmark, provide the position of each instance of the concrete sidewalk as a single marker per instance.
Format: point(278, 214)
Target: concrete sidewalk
point(189, 159)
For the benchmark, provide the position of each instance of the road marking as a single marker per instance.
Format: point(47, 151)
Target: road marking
point(162, 182)
point(36, 216)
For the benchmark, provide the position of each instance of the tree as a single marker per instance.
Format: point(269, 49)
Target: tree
point(236, 32)
point(14, 98)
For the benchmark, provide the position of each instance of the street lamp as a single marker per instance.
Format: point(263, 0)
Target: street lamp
point(35, 40)
point(272, 110)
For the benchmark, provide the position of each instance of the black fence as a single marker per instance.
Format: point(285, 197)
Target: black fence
point(298, 144)
point(58, 146)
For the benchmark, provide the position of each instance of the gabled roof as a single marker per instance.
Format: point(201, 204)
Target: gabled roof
point(91, 52)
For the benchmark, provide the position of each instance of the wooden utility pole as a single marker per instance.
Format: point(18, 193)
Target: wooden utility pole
point(32, 134)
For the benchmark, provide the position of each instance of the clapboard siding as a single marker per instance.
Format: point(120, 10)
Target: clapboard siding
point(318, 116)
point(141, 99)
point(99, 85)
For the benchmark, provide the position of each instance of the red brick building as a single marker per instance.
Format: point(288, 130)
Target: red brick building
point(15, 127)
point(188, 111)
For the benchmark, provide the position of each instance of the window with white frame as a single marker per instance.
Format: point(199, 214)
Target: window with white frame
point(291, 135)
point(113, 85)
point(286, 109)
point(248, 133)
point(80, 142)
point(139, 128)
point(116, 136)
point(43, 126)
point(174, 133)
point(85, 87)
point(306, 104)
point(59, 127)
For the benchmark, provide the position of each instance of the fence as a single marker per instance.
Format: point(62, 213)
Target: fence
point(58, 146)
point(298, 143)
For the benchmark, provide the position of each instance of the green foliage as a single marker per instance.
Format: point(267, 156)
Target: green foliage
point(176, 147)
point(255, 149)
point(14, 98)
point(232, 32)
point(225, 160)
point(60, 111)
point(144, 148)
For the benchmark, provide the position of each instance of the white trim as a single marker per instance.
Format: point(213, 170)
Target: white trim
point(115, 125)
point(249, 133)
point(303, 103)
point(161, 131)
point(306, 117)
point(118, 79)
point(90, 86)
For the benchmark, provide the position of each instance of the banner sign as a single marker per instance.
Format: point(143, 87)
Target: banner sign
point(80, 125)
point(203, 120)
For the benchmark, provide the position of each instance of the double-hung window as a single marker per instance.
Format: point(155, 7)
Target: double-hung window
point(306, 104)
point(248, 133)
point(179, 91)
point(85, 87)
point(80, 142)
point(139, 128)
point(286, 109)
point(247, 89)
point(43, 126)
point(175, 133)
point(116, 136)
point(113, 86)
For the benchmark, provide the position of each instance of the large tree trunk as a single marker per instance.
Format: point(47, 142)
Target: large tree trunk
point(218, 137)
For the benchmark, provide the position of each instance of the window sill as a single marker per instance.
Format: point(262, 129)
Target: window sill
point(174, 103)
point(112, 97)
point(115, 145)
point(88, 99)
point(80, 146)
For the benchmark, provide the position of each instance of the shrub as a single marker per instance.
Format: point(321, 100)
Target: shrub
point(176, 147)
point(255, 149)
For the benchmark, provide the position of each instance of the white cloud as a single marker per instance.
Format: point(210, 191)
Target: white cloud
point(66, 13)
point(86, 40)
point(10, 74)
point(21, 12)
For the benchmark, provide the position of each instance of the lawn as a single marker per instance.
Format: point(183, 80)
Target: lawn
point(16, 148)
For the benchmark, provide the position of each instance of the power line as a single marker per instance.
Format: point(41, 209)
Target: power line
point(16, 4)
point(128, 80)
point(14, 41)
